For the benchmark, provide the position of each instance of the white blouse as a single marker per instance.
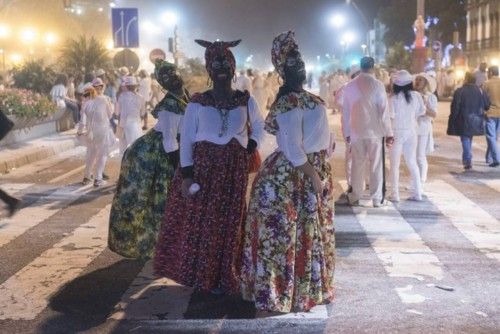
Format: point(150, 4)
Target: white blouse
point(130, 106)
point(424, 121)
point(169, 124)
point(404, 115)
point(203, 123)
point(303, 131)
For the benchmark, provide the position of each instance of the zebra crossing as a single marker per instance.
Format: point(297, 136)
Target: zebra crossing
point(416, 274)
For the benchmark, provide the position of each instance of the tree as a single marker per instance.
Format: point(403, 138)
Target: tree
point(400, 15)
point(84, 55)
point(33, 75)
point(398, 57)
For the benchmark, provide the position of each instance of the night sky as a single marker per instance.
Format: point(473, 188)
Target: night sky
point(256, 22)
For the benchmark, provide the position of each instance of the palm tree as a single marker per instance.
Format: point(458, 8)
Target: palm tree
point(84, 55)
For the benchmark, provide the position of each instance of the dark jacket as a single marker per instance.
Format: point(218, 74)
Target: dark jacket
point(467, 111)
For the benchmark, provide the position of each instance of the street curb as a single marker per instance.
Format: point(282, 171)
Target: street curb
point(18, 157)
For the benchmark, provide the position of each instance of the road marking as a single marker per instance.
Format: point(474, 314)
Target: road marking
point(149, 296)
point(68, 174)
point(24, 295)
point(401, 250)
point(15, 188)
point(492, 183)
point(43, 208)
point(477, 225)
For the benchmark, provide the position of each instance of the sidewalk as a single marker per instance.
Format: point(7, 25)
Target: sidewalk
point(20, 154)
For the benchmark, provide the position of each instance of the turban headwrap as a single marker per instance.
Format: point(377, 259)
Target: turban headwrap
point(282, 45)
point(162, 65)
point(218, 49)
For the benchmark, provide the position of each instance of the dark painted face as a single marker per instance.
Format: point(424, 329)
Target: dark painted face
point(295, 70)
point(171, 79)
point(221, 70)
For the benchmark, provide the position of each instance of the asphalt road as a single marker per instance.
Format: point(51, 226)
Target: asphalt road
point(412, 267)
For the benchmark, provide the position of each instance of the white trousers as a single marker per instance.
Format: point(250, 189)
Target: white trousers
point(348, 163)
point(95, 160)
point(131, 132)
point(405, 144)
point(422, 148)
point(366, 152)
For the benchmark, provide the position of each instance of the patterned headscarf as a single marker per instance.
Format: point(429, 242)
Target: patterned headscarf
point(218, 49)
point(282, 45)
point(160, 65)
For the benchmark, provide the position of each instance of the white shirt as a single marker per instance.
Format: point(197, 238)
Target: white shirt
point(203, 123)
point(243, 83)
point(404, 115)
point(129, 108)
point(424, 121)
point(95, 116)
point(58, 92)
point(144, 89)
point(169, 124)
point(302, 131)
point(365, 110)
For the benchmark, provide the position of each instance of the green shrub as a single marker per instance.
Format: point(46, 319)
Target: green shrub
point(33, 75)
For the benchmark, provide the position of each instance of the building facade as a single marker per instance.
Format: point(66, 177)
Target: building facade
point(483, 32)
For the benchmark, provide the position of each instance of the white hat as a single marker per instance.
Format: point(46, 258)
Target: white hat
point(402, 78)
point(123, 70)
point(100, 72)
point(129, 81)
point(97, 82)
point(430, 80)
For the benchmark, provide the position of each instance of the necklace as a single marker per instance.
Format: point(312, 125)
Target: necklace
point(224, 116)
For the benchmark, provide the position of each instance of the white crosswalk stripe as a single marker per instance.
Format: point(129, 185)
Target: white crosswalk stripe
point(24, 295)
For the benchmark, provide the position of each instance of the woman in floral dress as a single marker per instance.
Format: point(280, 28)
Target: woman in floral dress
point(147, 169)
point(200, 239)
point(289, 249)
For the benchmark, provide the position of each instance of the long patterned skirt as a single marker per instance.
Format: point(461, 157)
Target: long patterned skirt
point(289, 249)
point(139, 203)
point(201, 236)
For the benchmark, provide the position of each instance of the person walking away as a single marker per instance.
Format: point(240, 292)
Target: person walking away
point(147, 169)
point(261, 93)
point(129, 108)
point(406, 107)
point(466, 118)
point(145, 92)
point(199, 243)
point(481, 74)
point(323, 82)
point(366, 121)
point(426, 86)
point(492, 91)
point(94, 125)
point(289, 250)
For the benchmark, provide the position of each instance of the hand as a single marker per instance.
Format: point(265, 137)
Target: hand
point(186, 184)
point(389, 141)
point(317, 184)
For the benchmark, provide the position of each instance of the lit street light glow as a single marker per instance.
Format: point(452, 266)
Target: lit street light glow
point(348, 37)
point(4, 31)
point(149, 27)
point(16, 58)
point(337, 20)
point(169, 18)
point(28, 35)
point(50, 38)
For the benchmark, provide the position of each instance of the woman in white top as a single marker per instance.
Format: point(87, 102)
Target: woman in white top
point(406, 107)
point(94, 125)
point(147, 170)
point(426, 86)
point(129, 108)
point(200, 240)
point(289, 251)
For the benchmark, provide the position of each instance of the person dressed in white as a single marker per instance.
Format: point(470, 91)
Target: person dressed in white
point(145, 92)
point(129, 108)
point(94, 125)
point(261, 93)
point(323, 87)
point(406, 107)
point(243, 82)
point(425, 85)
point(365, 123)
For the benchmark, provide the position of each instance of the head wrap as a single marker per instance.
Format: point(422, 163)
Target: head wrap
point(218, 49)
point(282, 45)
point(160, 65)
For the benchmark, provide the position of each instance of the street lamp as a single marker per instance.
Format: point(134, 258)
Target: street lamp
point(171, 18)
point(364, 46)
point(28, 35)
point(50, 38)
point(4, 31)
point(337, 20)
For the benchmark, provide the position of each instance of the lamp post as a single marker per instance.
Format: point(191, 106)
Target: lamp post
point(363, 47)
point(171, 18)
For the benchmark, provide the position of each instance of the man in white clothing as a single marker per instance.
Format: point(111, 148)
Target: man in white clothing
point(365, 122)
point(145, 92)
point(243, 82)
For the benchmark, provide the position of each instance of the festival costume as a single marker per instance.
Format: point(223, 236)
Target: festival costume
point(200, 240)
point(147, 169)
point(289, 250)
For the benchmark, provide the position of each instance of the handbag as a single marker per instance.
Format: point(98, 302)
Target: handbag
point(5, 125)
point(254, 161)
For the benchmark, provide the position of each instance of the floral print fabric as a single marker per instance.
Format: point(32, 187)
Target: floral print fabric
point(139, 203)
point(289, 248)
point(201, 236)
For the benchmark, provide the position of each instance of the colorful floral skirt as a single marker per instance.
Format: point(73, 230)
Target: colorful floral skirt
point(289, 249)
point(201, 236)
point(139, 204)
